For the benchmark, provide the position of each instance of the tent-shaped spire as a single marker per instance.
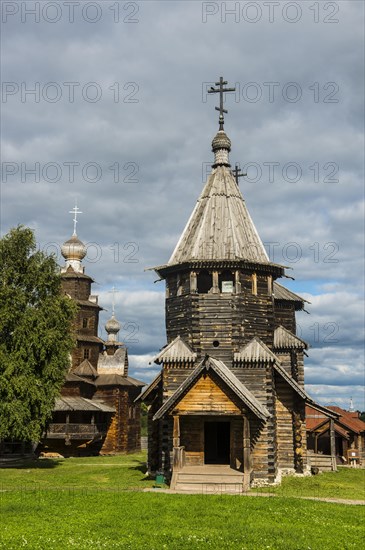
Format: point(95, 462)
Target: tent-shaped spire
point(220, 227)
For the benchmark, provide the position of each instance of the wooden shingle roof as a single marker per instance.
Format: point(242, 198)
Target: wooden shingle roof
point(284, 339)
point(282, 293)
point(146, 392)
point(227, 377)
point(255, 352)
point(86, 369)
point(176, 352)
point(220, 226)
point(66, 403)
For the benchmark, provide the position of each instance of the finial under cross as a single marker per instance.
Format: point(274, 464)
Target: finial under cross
point(75, 211)
point(237, 173)
point(113, 291)
point(221, 90)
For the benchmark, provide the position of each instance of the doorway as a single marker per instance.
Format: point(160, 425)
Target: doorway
point(217, 437)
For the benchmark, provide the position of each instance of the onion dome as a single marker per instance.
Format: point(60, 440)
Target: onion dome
point(221, 146)
point(74, 251)
point(112, 327)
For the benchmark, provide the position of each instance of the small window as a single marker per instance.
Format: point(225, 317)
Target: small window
point(205, 282)
point(86, 353)
point(85, 322)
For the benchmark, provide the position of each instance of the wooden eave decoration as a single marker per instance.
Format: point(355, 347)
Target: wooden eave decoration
point(276, 270)
point(176, 352)
point(227, 376)
point(255, 352)
point(284, 339)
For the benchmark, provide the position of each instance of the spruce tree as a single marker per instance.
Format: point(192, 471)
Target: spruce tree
point(35, 336)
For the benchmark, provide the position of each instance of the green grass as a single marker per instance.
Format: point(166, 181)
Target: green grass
point(103, 472)
point(346, 483)
point(87, 503)
point(129, 520)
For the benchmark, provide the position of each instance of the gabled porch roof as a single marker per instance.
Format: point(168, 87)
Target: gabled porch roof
point(227, 376)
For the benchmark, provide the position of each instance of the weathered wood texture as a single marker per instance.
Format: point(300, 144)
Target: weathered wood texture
point(219, 324)
point(285, 315)
point(207, 397)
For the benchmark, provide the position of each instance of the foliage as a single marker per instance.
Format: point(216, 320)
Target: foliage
point(35, 336)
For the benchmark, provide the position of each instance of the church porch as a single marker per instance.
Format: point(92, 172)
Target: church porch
point(211, 453)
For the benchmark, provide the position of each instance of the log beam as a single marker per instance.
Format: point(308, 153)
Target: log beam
point(246, 446)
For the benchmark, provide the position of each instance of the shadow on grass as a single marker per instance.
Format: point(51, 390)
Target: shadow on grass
point(142, 468)
point(34, 463)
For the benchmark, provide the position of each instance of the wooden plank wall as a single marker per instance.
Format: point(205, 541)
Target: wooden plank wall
point(77, 288)
point(285, 316)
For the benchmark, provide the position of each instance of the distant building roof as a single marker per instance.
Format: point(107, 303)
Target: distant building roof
point(117, 380)
point(347, 419)
point(86, 369)
point(64, 403)
point(87, 338)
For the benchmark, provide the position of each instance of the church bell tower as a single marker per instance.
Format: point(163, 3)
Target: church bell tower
point(231, 388)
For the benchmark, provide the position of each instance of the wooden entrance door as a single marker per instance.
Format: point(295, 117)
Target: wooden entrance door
point(217, 437)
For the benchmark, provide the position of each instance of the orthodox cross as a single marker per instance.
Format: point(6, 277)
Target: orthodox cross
point(75, 211)
point(113, 291)
point(237, 174)
point(221, 90)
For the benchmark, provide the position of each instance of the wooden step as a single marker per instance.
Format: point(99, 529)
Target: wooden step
point(209, 480)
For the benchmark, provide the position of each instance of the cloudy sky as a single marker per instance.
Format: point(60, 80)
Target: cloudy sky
point(105, 103)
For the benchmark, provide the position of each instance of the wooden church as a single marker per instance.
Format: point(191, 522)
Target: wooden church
point(96, 411)
point(228, 407)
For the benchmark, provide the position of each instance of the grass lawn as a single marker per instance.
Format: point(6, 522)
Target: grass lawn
point(347, 483)
point(113, 472)
point(87, 503)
